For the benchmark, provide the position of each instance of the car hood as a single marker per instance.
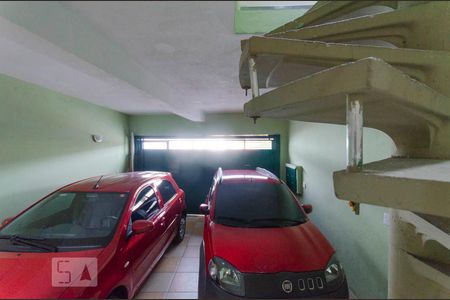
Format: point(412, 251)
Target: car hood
point(29, 275)
point(299, 248)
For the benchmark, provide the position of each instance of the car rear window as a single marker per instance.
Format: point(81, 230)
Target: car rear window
point(256, 204)
point(167, 190)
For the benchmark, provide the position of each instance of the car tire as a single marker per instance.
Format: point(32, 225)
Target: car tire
point(202, 274)
point(181, 229)
point(116, 295)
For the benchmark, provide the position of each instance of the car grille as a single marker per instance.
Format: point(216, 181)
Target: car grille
point(285, 285)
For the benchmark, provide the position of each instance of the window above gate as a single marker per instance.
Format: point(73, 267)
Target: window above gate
point(211, 144)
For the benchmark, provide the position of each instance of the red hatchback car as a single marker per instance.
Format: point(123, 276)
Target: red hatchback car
point(96, 238)
point(259, 243)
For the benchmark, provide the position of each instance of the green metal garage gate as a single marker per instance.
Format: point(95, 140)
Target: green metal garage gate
point(193, 162)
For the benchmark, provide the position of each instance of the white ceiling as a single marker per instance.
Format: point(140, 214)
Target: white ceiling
point(134, 57)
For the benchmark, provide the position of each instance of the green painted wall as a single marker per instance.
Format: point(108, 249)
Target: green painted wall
point(361, 241)
point(257, 20)
point(45, 140)
point(224, 123)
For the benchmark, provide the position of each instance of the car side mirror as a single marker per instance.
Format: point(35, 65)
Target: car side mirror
point(204, 209)
point(6, 222)
point(307, 208)
point(141, 226)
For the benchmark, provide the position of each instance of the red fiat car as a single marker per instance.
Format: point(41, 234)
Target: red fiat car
point(96, 238)
point(259, 243)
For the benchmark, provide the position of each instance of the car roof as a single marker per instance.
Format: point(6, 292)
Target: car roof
point(121, 182)
point(258, 175)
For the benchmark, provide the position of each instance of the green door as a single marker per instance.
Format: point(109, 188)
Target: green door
point(193, 169)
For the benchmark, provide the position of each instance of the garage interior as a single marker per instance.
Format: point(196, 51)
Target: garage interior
point(354, 94)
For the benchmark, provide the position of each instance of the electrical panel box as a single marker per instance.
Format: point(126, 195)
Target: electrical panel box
point(294, 178)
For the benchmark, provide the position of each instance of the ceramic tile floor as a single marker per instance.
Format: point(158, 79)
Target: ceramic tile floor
point(176, 275)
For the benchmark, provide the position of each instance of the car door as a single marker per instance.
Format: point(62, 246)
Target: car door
point(170, 197)
point(144, 248)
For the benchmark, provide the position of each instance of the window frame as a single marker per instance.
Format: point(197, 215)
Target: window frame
point(204, 144)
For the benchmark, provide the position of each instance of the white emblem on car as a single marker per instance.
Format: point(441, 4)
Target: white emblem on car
point(286, 286)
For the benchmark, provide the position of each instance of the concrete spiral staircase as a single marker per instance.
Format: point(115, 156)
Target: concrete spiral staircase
point(384, 65)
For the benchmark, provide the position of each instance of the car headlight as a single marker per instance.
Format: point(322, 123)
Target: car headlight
point(334, 273)
point(226, 276)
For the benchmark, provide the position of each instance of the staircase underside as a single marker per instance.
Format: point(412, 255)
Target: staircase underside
point(418, 185)
point(407, 110)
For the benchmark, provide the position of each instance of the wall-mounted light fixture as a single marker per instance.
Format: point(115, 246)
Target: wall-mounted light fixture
point(97, 138)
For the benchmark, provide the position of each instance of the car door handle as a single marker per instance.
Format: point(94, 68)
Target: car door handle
point(163, 221)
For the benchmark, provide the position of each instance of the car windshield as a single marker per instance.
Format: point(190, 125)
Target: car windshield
point(68, 221)
point(256, 204)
